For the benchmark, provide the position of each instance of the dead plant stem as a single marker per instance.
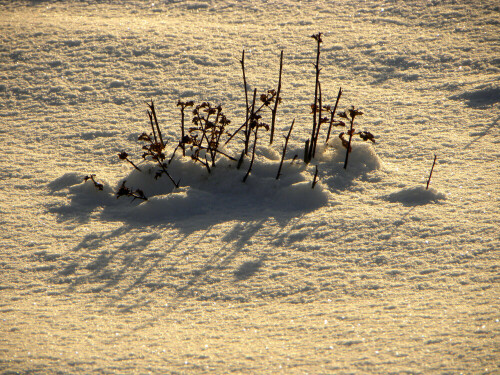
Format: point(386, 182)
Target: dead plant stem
point(276, 100)
point(247, 109)
point(317, 37)
point(152, 107)
point(284, 149)
point(318, 126)
point(430, 174)
point(351, 131)
point(333, 115)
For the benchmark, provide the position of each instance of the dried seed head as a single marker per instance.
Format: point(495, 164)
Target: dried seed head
point(317, 37)
point(354, 112)
point(367, 136)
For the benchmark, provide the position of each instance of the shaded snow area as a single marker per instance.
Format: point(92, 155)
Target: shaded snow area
point(370, 272)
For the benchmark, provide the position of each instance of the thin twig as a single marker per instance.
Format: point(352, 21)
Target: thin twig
point(430, 174)
point(253, 155)
point(98, 185)
point(173, 153)
point(318, 126)
point(182, 133)
point(306, 152)
point(135, 166)
point(333, 115)
point(351, 131)
point(276, 100)
point(236, 132)
point(315, 178)
point(124, 156)
point(219, 151)
point(284, 150)
point(247, 109)
point(164, 170)
point(240, 160)
point(126, 191)
point(251, 119)
point(317, 37)
point(152, 125)
point(152, 107)
point(244, 125)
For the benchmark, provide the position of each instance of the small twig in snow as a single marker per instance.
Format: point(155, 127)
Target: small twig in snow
point(430, 174)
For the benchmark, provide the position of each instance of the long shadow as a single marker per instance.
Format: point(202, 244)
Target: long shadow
point(119, 262)
point(485, 132)
point(141, 279)
point(219, 260)
point(117, 256)
point(131, 240)
point(249, 269)
point(98, 269)
point(222, 258)
point(400, 223)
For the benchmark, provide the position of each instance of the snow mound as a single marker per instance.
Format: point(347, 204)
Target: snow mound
point(221, 193)
point(362, 161)
point(65, 181)
point(415, 196)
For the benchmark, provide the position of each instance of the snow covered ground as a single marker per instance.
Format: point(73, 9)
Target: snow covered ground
point(366, 273)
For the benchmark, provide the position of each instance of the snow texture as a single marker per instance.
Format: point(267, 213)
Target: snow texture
point(367, 273)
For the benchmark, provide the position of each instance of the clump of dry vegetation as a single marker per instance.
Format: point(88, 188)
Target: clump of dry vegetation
point(206, 138)
point(350, 115)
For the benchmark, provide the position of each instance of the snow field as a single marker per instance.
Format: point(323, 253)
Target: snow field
point(367, 273)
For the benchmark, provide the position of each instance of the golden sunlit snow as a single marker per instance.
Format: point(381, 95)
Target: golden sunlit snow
point(368, 273)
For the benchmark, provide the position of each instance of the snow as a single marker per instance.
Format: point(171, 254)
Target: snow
point(415, 196)
point(369, 272)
